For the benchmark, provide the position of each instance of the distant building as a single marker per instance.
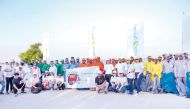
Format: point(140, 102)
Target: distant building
point(186, 33)
point(135, 42)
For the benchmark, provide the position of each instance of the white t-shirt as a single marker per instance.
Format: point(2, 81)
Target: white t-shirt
point(25, 68)
point(10, 71)
point(127, 67)
point(168, 67)
point(53, 69)
point(123, 80)
point(131, 73)
point(108, 68)
point(21, 73)
point(45, 79)
point(33, 81)
point(60, 79)
point(120, 68)
point(51, 78)
point(36, 71)
point(16, 68)
point(139, 67)
point(114, 79)
point(179, 68)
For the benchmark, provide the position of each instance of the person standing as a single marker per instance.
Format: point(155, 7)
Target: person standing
point(67, 64)
point(148, 73)
point(17, 66)
point(139, 69)
point(187, 75)
point(157, 73)
point(108, 71)
point(179, 70)
point(2, 81)
point(90, 63)
point(36, 70)
point(53, 69)
point(77, 62)
point(58, 65)
point(83, 64)
point(62, 68)
point(21, 72)
point(168, 83)
point(99, 64)
point(131, 77)
point(8, 73)
point(120, 67)
point(73, 63)
point(65, 67)
point(39, 64)
point(45, 67)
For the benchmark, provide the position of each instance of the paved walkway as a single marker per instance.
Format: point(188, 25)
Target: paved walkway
point(75, 99)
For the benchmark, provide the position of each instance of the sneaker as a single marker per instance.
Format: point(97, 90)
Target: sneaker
point(7, 93)
point(1, 93)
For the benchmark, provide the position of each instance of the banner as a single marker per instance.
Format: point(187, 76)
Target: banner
point(83, 77)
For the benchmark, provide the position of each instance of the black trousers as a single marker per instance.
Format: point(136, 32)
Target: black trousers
point(61, 86)
point(9, 81)
point(108, 78)
point(19, 86)
point(38, 88)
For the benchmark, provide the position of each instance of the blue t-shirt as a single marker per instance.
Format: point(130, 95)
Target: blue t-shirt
point(73, 66)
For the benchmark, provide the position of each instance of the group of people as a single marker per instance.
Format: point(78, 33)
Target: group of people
point(37, 76)
point(165, 74)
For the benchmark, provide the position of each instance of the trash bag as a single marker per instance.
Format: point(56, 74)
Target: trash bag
point(168, 83)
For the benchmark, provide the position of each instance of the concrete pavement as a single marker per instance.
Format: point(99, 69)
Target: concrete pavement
point(75, 99)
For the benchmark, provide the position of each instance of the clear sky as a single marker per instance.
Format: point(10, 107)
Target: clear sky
point(22, 22)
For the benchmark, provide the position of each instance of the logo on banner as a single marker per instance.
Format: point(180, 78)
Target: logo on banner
point(73, 78)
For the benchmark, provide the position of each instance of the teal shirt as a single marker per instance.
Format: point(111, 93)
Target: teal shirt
point(61, 69)
point(45, 67)
point(58, 68)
